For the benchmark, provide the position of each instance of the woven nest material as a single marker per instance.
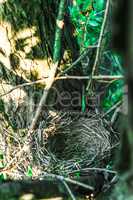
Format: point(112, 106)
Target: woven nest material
point(81, 138)
point(78, 139)
point(63, 144)
point(86, 138)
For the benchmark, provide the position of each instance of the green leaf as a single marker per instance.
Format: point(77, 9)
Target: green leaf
point(29, 171)
point(86, 4)
point(77, 174)
point(93, 14)
point(99, 5)
point(93, 23)
point(99, 19)
point(87, 43)
point(1, 156)
point(83, 103)
point(3, 176)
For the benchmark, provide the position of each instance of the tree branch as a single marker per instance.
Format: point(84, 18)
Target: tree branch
point(99, 41)
point(56, 55)
point(99, 77)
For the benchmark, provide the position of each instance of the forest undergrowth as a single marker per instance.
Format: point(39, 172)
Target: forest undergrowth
point(61, 91)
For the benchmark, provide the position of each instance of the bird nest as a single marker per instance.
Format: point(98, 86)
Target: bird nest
point(81, 138)
point(64, 144)
point(75, 141)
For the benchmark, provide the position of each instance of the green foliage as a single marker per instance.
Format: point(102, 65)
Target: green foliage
point(114, 91)
point(83, 103)
point(1, 160)
point(99, 5)
point(113, 94)
point(77, 174)
point(29, 171)
point(3, 177)
point(87, 17)
point(2, 165)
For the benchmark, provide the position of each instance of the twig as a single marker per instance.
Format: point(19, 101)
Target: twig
point(44, 97)
point(99, 41)
point(101, 36)
point(115, 114)
point(61, 178)
point(112, 108)
point(78, 60)
point(56, 55)
point(69, 191)
point(96, 169)
point(24, 85)
point(100, 170)
point(99, 77)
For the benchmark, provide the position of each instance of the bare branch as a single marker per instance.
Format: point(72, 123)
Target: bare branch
point(69, 190)
point(78, 60)
point(99, 77)
point(99, 41)
point(56, 54)
point(61, 178)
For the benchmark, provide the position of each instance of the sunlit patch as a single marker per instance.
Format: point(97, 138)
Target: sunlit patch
point(4, 42)
point(60, 23)
point(27, 197)
point(30, 42)
point(5, 61)
point(52, 113)
point(5, 46)
point(90, 197)
point(2, 1)
point(74, 2)
point(27, 32)
point(38, 68)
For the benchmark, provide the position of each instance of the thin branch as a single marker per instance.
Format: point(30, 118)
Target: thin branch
point(78, 60)
point(115, 114)
point(100, 170)
point(99, 41)
point(69, 190)
point(44, 97)
point(45, 188)
point(95, 169)
point(61, 178)
point(24, 85)
point(101, 36)
point(99, 77)
point(56, 55)
point(112, 108)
